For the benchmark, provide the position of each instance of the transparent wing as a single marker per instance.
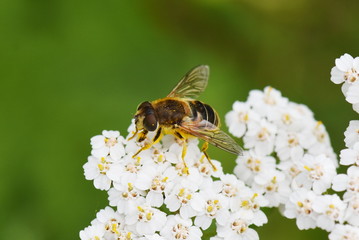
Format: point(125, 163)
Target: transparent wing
point(192, 84)
point(212, 134)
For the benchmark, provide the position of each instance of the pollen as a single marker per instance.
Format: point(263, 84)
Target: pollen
point(138, 161)
point(101, 167)
point(300, 204)
point(181, 193)
point(308, 168)
point(185, 171)
point(149, 216)
point(209, 208)
point(246, 117)
point(263, 134)
point(274, 180)
point(254, 196)
point(114, 228)
point(286, 119)
point(160, 158)
point(128, 236)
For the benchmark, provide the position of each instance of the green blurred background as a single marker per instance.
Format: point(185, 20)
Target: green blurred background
point(69, 69)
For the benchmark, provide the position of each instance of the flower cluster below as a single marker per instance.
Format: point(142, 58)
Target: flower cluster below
point(156, 197)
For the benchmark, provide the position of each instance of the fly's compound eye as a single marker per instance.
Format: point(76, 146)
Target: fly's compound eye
point(144, 105)
point(150, 122)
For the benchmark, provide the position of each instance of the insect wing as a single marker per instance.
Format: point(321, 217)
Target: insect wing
point(213, 135)
point(192, 84)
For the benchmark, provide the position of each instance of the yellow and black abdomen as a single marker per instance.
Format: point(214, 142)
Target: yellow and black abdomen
point(203, 111)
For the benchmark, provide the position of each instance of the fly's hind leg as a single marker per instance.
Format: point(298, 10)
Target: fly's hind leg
point(155, 140)
point(204, 150)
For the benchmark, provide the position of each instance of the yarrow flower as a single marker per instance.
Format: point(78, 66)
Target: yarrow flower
point(237, 227)
point(331, 209)
point(177, 228)
point(344, 232)
point(316, 173)
point(154, 198)
point(352, 134)
point(287, 148)
point(288, 163)
point(346, 70)
point(300, 207)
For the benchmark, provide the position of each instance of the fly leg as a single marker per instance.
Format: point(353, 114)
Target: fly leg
point(142, 137)
point(184, 151)
point(204, 150)
point(134, 134)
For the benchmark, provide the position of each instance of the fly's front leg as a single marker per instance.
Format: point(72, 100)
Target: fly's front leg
point(142, 136)
point(204, 150)
point(134, 134)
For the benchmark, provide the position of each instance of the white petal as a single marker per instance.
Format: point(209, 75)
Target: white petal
point(154, 199)
point(203, 222)
point(356, 63)
point(304, 223)
point(172, 203)
point(325, 223)
point(145, 228)
point(187, 212)
point(356, 107)
point(102, 182)
point(337, 76)
point(348, 156)
point(344, 62)
point(222, 217)
point(114, 173)
point(91, 171)
point(117, 152)
point(197, 203)
point(98, 141)
point(353, 94)
point(100, 152)
point(131, 219)
point(340, 182)
point(260, 218)
point(251, 234)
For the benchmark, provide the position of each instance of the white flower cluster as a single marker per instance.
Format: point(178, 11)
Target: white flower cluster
point(156, 198)
point(346, 70)
point(290, 161)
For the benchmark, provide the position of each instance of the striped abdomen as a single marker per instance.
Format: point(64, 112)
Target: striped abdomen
point(204, 111)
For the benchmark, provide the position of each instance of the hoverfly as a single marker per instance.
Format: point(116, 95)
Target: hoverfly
point(182, 116)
